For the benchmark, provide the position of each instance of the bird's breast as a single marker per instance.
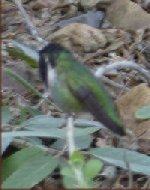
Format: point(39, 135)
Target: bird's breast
point(64, 99)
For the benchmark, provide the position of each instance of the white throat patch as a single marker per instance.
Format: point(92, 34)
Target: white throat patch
point(51, 75)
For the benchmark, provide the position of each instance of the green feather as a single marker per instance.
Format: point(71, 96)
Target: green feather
point(76, 75)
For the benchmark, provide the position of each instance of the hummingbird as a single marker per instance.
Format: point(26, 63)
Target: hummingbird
point(74, 88)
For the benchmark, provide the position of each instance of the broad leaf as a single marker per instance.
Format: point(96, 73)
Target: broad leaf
point(81, 142)
point(122, 157)
point(16, 160)
point(31, 171)
point(19, 50)
point(52, 132)
point(92, 168)
point(47, 122)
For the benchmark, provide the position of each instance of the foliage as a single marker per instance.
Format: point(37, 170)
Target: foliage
point(78, 173)
point(29, 166)
point(123, 158)
point(19, 50)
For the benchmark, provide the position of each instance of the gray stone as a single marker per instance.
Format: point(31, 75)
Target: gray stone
point(91, 18)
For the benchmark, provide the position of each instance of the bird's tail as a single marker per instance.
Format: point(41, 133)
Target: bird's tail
point(89, 100)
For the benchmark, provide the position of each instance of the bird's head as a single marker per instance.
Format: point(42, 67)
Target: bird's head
point(49, 61)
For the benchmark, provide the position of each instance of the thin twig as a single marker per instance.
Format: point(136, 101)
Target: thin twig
point(124, 64)
point(30, 26)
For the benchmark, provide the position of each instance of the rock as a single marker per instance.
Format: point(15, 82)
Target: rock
point(81, 37)
point(106, 24)
point(94, 3)
point(67, 2)
point(127, 15)
point(146, 5)
point(128, 105)
point(39, 4)
point(91, 18)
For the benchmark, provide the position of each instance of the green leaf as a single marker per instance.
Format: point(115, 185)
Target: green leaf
point(6, 140)
point(69, 177)
point(19, 50)
point(121, 157)
point(92, 168)
point(31, 172)
point(77, 158)
point(6, 115)
point(47, 121)
point(45, 126)
point(69, 182)
point(143, 112)
point(67, 171)
point(52, 126)
point(88, 123)
point(13, 162)
point(81, 142)
point(84, 131)
point(52, 134)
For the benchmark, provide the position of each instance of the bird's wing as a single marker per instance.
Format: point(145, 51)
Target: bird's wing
point(84, 95)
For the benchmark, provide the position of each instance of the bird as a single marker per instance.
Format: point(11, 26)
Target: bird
point(74, 88)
